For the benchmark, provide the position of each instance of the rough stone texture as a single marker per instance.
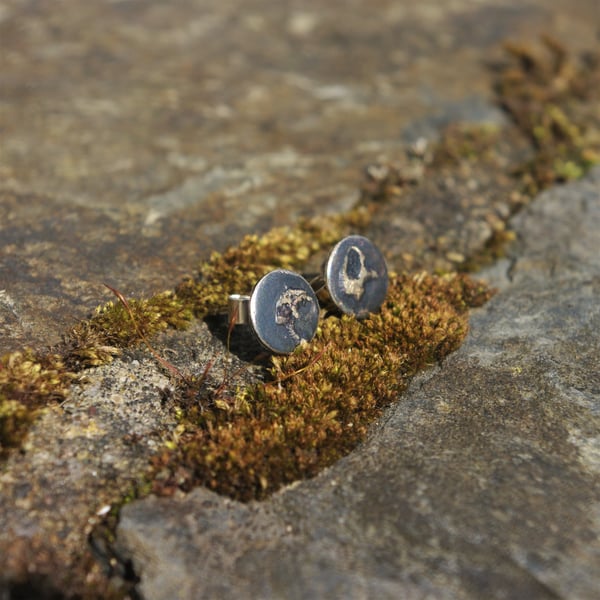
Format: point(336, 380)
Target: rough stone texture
point(482, 482)
point(89, 453)
point(136, 136)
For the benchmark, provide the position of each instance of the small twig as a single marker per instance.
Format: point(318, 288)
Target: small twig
point(232, 322)
point(313, 361)
point(207, 369)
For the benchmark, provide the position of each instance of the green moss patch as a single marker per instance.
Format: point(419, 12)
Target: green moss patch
point(27, 383)
point(465, 142)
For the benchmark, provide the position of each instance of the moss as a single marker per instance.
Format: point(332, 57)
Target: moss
point(321, 400)
point(494, 249)
point(465, 142)
point(27, 383)
point(552, 96)
point(383, 181)
point(139, 488)
point(115, 326)
point(553, 100)
point(15, 417)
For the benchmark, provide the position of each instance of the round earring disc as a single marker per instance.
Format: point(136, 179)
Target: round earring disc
point(284, 310)
point(356, 276)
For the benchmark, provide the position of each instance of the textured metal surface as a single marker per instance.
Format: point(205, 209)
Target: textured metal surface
point(356, 276)
point(284, 310)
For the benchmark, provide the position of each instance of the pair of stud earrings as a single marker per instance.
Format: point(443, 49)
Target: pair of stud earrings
point(283, 309)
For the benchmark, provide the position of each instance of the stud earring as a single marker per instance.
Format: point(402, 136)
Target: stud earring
point(282, 311)
point(354, 277)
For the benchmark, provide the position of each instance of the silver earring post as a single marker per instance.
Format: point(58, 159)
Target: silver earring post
point(239, 309)
point(282, 311)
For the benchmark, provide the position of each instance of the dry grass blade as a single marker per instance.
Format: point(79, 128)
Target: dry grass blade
point(171, 368)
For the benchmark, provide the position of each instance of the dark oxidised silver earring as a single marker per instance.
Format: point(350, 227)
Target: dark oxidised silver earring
point(354, 277)
point(282, 311)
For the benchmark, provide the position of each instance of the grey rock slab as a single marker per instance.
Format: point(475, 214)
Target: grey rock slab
point(481, 482)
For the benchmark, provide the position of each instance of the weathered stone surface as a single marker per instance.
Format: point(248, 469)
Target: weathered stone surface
point(139, 136)
point(135, 138)
point(82, 457)
point(483, 482)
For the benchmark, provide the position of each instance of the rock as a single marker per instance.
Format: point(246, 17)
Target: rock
point(481, 482)
point(83, 457)
point(139, 137)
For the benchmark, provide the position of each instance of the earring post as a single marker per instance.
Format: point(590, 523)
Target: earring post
point(239, 309)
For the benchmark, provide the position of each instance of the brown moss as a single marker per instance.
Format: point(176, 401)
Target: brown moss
point(322, 399)
point(553, 97)
point(494, 249)
point(114, 326)
point(381, 181)
point(465, 142)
